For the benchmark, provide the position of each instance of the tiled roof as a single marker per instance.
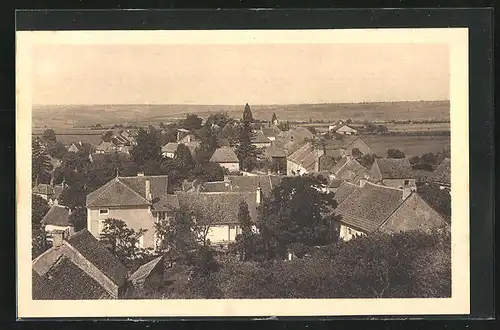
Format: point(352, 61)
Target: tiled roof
point(224, 155)
point(251, 183)
point(115, 193)
point(442, 174)
point(338, 165)
point(273, 151)
point(394, 168)
point(306, 156)
point(352, 171)
point(335, 183)
point(43, 189)
point(58, 190)
point(159, 184)
point(170, 147)
point(98, 158)
point(166, 203)
point(143, 271)
point(260, 138)
point(368, 207)
point(66, 281)
point(216, 186)
point(344, 190)
point(106, 146)
point(222, 207)
point(95, 252)
point(57, 216)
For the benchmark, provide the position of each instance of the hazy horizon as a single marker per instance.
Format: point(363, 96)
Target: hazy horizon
point(234, 74)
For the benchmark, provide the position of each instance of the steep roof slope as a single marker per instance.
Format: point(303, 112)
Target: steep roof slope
point(344, 190)
point(368, 207)
point(394, 168)
point(224, 155)
point(442, 174)
point(57, 216)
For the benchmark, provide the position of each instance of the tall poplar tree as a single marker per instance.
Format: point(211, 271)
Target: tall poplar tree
point(247, 153)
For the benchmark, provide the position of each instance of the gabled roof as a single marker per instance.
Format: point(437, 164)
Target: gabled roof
point(188, 138)
point(394, 168)
point(115, 193)
point(66, 281)
point(345, 126)
point(306, 156)
point(57, 216)
point(442, 173)
point(224, 155)
point(145, 270)
point(106, 145)
point(222, 207)
point(341, 163)
point(44, 189)
point(96, 253)
point(274, 151)
point(344, 190)
point(159, 184)
point(170, 147)
point(251, 183)
point(351, 171)
point(368, 207)
point(260, 138)
point(270, 131)
point(334, 183)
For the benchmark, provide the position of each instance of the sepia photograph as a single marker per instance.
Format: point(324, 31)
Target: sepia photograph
point(196, 168)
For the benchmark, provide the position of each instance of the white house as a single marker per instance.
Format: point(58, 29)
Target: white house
point(57, 219)
point(304, 160)
point(225, 157)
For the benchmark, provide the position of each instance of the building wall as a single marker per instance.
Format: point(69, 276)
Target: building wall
point(223, 233)
point(294, 169)
point(262, 145)
point(363, 147)
point(399, 183)
point(168, 154)
point(232, 167)
point(346, 130)
point(347, 233)
point(135, 218)
point(413, 214)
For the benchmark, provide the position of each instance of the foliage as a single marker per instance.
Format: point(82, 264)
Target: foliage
point(274, 118)
point(73, 196)
point(368, 160)
point(312, 130)
point(231, 133)
point(40, 163)
point(395, 153)
point(56, 149)
point(147, 147)
point(49, 136)
point(192, 122)
point(208, 140)
point(220, 119)
point(78, 218)
point(375, 129)
point(175, 235)
point(122, 241)
point(247, 153)
point(183, 162)
point(245, 241)
point(439, 199)
point(106, 137)
point(356, 153)
point(209, 172)
point(284, 126)
point(39, 243)
point(295, 213)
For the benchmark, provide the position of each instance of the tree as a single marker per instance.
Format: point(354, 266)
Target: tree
point(395, 153)
point(295, 213)
point(192, 122)
point(284, 126)
point(381, 129)
point(368, 160)
point(220, 119)
point(247, 114)
point(40, 163)
point(247, 153)
point(415, 160)
point(209, 172)
point(122, 241)
point(245, 240)
point(73, 197)
point(49, 136)
point(147, 147)
point(78, 218)
point(429, 158)
point(356, 153)
point(349, 121)
point(57, 149)
point(162, 125)
point(230, 132)
point(106, 137)
point(39, 243)
point(208, 139)
point(274, 118)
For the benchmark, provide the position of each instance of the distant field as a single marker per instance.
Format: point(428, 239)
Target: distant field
point(417, 127)
point(410, 145)
point(56, 116)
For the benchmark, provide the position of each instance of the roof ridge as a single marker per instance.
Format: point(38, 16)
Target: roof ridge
point(109, 183)
point(382, 186)
point(130, 188)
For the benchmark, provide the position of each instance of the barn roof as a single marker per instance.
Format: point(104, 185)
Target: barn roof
point(224, 155)
point(145, 270)
point(57, 216)
point(394, 168)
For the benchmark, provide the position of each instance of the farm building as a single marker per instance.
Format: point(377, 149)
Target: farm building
point(106, 147)
point(260, 140)
point(306, 159)
point(393, 172)
point(225, 157)
point(56, 219)
point(370, 207)
point(348, 169)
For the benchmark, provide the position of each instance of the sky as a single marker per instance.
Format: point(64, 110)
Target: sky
point(237, 74)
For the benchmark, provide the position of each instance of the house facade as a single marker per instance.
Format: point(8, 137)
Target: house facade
point(346, 130)
point(370, 207)
point(304, 160)
point(226, 157)
point(56, 219)
point(139, 201)
point(393, 172)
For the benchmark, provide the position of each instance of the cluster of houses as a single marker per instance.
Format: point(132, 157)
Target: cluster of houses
point(383, 197)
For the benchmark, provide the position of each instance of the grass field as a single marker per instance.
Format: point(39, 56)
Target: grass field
point(56, 116)
point(410, 145)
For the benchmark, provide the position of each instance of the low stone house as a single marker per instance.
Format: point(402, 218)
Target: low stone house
point(226, 157)
point(393, 172)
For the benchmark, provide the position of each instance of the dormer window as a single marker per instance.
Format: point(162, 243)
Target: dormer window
point(103, 211)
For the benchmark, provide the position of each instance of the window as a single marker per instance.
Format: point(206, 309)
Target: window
point(407, 182)
point(101, 226)
point(103, 211)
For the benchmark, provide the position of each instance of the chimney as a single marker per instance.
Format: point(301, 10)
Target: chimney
point(58, 237)
point(148, 190)
point(258, 195)
point(406, 192)
point(140, 173)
